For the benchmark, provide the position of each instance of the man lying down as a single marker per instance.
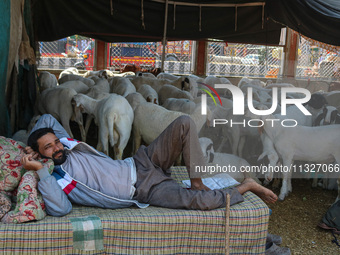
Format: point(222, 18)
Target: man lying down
point(85, 176)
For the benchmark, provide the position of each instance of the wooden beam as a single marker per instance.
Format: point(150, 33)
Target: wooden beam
point(100, 56)
point(291, 56)
point(201, 57)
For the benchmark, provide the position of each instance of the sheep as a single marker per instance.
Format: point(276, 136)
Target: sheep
point(148, 93)
point(212, 80)
point(318, 144)
point(75, 77)
point(101, 74)
point(156, 84)
point(229, 161)
point(135, 99)
point(329, 115)
point(78, 86)
point(114, 117)
point(269, 152)
point(58, 102)
point(168, 76)
point(145, 74)
point(151, 119)
point(333, 98)
point(182, 83)
point(22, 135)
point(47, 80)
point(98, 92)
point(279, 85)
point(71, 70)
point(180, 105)
point(169, 91)
point(121, 86)
point(313, 106)
point(255, 82)
point(186, 83)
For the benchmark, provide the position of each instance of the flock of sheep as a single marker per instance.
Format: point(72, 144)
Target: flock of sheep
point(138, 107)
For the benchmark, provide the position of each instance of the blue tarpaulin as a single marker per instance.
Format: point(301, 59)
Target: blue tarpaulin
point(5, 21)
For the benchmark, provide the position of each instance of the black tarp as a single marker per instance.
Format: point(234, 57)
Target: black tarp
point(316, 19)
point(61, 18)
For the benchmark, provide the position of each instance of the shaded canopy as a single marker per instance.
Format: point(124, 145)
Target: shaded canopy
point(316, 19)
point(143, 20)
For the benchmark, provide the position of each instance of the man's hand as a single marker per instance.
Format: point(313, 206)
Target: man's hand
point(29, 162)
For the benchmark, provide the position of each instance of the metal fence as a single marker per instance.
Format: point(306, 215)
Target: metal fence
point(317, 63)
point(178, 56)
point(223, 59)
point(243, 60)
point(66, 52)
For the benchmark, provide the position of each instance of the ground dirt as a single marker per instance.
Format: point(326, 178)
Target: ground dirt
point(295, 219)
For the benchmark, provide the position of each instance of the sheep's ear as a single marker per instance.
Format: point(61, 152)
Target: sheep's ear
point(186, 80)
point(75, 103)
point(155, 101)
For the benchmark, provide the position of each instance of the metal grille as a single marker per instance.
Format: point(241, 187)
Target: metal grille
point(66, 52)
point(178, 55)
point(243, 60)
point(317, 63)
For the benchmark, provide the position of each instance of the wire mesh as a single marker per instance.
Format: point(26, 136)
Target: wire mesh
point(317, 63)
point(66, 52)
point(178, 55)
point(243, 60)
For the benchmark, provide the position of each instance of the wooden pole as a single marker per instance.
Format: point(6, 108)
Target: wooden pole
point(201, 57)
point(227, 227)
point(164, 34)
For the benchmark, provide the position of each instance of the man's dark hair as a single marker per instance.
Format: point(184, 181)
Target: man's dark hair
point(32, 140)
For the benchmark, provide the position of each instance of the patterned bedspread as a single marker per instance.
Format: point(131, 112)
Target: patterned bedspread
point(153, 230)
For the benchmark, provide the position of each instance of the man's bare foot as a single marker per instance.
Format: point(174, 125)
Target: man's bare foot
point(197, 184)
point(265, 194)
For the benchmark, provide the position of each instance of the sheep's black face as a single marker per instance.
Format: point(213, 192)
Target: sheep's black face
point(317, 101)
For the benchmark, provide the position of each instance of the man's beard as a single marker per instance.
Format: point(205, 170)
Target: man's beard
point(57, 161)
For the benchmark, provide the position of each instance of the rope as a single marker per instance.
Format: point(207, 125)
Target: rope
point(262, 15)
point(335, 240)
point(200, 21)
point(235, 18)
point(111, 7)
point(174, 27)
point(142, 14)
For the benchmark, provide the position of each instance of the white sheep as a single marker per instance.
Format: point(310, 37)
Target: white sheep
point(58, 102)
point(47, 80)
point(148, 93)
point(114, 117)
point(317, 144)
point(179, 104)
point(269, 152)
point(121, 86)
point(233, 163)
point(70, 70)
point(77, 85)
point(135, 99)
point(168, 76)
point(155, 83)
point(170, 91)
point(100, 73)
point(76, 77)
point(211, 80)
point(151, 119)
